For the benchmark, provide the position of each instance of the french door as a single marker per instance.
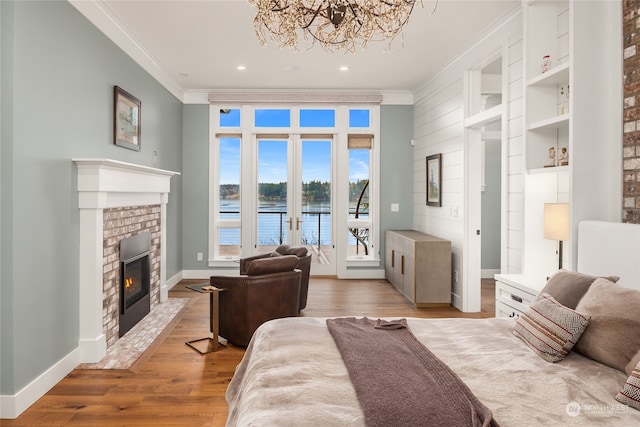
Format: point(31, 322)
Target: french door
point(295, 196)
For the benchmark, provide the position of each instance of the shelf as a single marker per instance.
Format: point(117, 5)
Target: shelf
point(556, 75)
point(483, 118)
point(549, 169)
point(555, 122)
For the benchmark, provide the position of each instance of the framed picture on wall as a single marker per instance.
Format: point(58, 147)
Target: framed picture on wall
point(434, 180)
point(126, 119)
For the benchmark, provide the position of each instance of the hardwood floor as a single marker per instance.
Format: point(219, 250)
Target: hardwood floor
point(173, 385)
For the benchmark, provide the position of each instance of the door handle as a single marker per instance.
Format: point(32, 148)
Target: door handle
point(298, 222)
point(290, 222)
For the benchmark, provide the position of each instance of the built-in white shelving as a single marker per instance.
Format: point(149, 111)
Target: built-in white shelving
point(570, 89)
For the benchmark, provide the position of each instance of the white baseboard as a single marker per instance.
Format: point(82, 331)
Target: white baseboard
point(489, 273)
point(456, 301)
point(12, 406)
point(172, 281)
point(93, 350)
point(205, 274)
point(361, 273)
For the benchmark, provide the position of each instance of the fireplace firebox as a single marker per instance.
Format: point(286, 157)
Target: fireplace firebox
point(135, 299)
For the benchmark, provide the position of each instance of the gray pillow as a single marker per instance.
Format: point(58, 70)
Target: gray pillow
point(613, 335)
point(568, 287)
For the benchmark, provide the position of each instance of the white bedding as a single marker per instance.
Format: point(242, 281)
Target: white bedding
point(293, 375)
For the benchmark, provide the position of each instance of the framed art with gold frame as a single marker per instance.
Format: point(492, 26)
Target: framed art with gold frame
point(126, 119)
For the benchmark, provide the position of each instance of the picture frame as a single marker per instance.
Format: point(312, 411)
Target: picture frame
point(434, 180)
point(126, 119)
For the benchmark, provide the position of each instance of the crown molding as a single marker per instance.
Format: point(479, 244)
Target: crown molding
point(98, 14)
point(298, 95)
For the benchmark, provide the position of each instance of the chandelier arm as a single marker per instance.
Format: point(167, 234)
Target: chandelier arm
point(355, 14)
point(316, 12)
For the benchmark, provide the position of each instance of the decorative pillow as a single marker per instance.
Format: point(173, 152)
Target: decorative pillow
point(613, 335)
point(550, 328)
point(272, 265)
point(634, 362)
point(630, 393)
point(299, 251)
point(568, 287)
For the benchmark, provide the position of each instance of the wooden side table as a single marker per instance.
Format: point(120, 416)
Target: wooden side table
point(206, 288)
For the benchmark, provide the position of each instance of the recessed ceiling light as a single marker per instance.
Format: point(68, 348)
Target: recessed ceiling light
point(344, 68)
point(241, 67)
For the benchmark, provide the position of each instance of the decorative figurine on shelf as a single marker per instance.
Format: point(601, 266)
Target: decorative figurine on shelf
point(546, 63)
point(552, 158)
point(563, 158)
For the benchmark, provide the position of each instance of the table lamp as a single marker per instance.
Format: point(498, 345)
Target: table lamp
point(556, 225)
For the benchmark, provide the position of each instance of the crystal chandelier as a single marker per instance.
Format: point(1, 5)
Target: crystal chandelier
point(334, 24)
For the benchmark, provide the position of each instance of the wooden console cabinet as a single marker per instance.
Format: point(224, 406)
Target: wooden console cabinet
point(418, 265)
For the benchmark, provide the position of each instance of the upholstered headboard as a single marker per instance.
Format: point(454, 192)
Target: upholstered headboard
point(610, 249)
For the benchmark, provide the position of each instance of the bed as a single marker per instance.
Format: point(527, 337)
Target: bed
point(293, 374)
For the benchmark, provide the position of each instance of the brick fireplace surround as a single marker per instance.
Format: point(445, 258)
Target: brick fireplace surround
point(116, 200)
point(120, 223)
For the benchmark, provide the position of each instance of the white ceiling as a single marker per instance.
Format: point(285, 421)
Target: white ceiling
point(195, 46)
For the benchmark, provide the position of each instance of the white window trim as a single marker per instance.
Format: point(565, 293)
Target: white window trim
point(247, 186)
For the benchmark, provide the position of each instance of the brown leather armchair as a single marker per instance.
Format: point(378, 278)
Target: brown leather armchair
point(270, 289)
point(304, 265)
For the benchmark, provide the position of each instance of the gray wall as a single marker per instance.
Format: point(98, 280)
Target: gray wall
point(396, 169)
point(491, 201)
point(195, 216)
point(58, 73)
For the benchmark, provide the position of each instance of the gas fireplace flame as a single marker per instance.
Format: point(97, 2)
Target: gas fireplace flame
point(128, 284)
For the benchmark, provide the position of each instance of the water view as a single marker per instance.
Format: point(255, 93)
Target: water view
point(272, 223)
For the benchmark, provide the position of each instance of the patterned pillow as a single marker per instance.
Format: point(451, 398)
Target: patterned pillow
point(630, 394)
point(549, 328)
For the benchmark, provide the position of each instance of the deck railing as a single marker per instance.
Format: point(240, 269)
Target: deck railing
point(272, 226)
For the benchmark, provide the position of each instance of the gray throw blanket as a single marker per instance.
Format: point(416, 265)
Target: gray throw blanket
point(399, 382)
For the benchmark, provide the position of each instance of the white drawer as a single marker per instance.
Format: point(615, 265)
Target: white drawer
point(504, 310)
point(513, 296)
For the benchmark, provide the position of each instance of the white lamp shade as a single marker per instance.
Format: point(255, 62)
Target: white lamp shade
point(556, 221)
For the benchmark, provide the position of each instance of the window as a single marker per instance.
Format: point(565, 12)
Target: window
point(359, 118)
point(227, 222)
point(271, 118)
point(317, 118)
point(359, 176)
point(312, 169)
point(230, 117)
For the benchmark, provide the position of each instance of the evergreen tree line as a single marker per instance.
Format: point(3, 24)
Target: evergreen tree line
point(312, 191)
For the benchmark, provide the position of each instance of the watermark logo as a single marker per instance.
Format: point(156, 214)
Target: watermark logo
point(573, 409)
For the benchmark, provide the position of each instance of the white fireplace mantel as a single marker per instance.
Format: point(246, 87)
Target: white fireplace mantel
point(105, 184)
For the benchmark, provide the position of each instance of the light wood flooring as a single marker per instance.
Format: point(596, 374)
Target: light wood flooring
point(173, 385)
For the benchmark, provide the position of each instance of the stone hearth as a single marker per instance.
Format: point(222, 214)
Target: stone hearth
point(106, 186)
